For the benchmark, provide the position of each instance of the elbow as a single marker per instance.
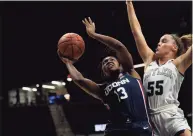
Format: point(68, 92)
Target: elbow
point(80, 82)
point(120, 47)
point(190, 57)
point(78, 79)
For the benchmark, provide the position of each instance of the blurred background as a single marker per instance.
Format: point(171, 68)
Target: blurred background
point(38, 97)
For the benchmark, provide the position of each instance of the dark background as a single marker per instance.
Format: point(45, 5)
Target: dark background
point(30, 32)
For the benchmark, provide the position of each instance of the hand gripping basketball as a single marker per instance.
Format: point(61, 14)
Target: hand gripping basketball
point(64, 59)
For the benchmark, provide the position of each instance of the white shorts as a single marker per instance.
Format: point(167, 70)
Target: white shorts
point(169, 122)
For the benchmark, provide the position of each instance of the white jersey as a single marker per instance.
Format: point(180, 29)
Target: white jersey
point(162, 83)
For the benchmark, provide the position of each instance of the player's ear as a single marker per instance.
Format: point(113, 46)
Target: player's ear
point(174, 48)
point(119, 63)
point(102, 74)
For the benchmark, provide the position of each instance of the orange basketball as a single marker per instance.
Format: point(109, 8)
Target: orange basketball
point(71, 46)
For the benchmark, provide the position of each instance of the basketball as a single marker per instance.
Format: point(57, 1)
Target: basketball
point(71, 46)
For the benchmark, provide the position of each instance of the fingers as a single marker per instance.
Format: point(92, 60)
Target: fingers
point(83, 22)
point(128, 1)
point(64, 59)
point(90, 21)
point(59, 54)
point(87, 21)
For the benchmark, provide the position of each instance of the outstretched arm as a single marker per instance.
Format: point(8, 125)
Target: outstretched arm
point(145, 52)
point(184, 61)
point(87, 85)
point(124, 57)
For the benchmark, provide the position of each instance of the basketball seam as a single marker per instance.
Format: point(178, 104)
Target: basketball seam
point(78, 39)
point(78, 46)
point(79, 49)
point(63, 42)
point(72, 46)
point(65, 49)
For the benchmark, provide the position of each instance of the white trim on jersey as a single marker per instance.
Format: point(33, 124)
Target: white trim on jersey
point(142, 91)
point(139, 65)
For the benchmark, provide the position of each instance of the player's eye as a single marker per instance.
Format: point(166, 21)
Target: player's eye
point(164, 40)
point(112, 59)
point(105, 61)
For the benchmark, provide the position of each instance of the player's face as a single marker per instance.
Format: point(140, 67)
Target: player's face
point(166, 44)
point(110, 64)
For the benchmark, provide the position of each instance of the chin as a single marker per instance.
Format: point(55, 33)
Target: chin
point(113, 69)
point(157, 54)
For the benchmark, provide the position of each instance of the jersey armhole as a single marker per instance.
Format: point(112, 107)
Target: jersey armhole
point(146, 65)
point(152, 59)
point(177, 69)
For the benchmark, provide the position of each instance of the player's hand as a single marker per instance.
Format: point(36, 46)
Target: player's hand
point(64, 60)
point(128, 1)
point(90, 26)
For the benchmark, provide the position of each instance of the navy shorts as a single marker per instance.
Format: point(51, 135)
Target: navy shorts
point(128, 129)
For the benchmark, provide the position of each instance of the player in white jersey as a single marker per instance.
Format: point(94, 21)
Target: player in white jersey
point(163, 76)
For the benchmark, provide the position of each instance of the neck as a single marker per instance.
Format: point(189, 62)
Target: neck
point(114, 75)
point(165, 58)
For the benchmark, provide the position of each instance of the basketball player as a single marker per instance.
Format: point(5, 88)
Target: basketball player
point(122, 90)
point(163, 76)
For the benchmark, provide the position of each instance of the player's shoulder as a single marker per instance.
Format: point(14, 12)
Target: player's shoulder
point(130, 76)
point(153, 63)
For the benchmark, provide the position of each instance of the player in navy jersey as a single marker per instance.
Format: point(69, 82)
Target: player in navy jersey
point(122, 91)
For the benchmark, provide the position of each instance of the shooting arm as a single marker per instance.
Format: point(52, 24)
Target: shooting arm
point(87, 85)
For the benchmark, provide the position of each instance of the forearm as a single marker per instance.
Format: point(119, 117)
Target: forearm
point(122, 53)
point(85, 84)
point(123, 56)
point(74, 73)
point(184, 61)
point(134, 23)
point(108, 41)
point(189, 52)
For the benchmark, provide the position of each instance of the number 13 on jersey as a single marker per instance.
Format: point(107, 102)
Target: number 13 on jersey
point(121, 93)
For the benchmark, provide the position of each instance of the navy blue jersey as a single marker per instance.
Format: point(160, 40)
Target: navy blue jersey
point(126, 99)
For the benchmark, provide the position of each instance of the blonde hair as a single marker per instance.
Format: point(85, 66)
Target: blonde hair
point(183, 43)
point(186, 40)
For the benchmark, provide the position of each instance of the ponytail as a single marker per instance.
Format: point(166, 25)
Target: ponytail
point(183, 43)
point(187, 41)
